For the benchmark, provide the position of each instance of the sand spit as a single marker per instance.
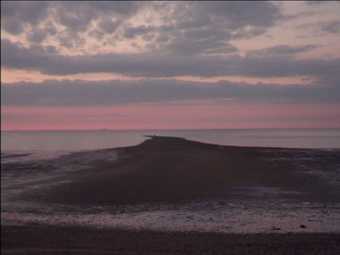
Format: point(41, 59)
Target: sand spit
point(167, 169)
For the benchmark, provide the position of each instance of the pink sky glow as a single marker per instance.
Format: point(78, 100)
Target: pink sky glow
point(169, 65)
point(195, 115)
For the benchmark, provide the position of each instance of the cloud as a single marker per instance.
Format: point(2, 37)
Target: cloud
point(332, 27)
point(74, 15)
point(178, 38)
point(208, 27)
point(239, 13)
point(94, 93)
point(271, 63)
point(189, 27)
point(281, 50)
point(65, 24)
point(15, 15)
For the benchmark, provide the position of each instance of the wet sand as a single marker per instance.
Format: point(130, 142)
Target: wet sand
point(77, 240)
point(173, 170)
point(164, 169)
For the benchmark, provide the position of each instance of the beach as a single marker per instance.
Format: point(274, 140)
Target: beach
point(166, 169)
point(170, 127)
point(171, 195)
point(72, 240)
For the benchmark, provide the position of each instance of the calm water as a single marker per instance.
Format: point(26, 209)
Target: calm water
point(88, 140)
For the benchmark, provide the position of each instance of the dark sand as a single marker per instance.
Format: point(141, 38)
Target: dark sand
point(77, 240)
point(165, 169)
point(176, 170)
point(17, 155)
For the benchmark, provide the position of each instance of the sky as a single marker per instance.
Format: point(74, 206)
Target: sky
point(170, 65)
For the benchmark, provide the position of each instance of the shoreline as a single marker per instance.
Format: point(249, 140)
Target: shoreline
point(234, 180)
point(171, 169)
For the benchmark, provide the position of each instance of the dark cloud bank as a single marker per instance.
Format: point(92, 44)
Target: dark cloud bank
point(194, 39)
point(85, 93)
point(185, 27)
point(271, 63)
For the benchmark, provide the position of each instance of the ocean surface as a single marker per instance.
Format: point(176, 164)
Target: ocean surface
point(59, 141)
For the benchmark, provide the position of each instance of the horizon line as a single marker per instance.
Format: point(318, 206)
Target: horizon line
point(160, 129)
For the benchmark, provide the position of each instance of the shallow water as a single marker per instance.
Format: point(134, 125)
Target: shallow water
point(61, 141)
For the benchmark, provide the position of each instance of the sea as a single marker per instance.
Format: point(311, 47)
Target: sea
point(80, 140)
point(271, 212)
